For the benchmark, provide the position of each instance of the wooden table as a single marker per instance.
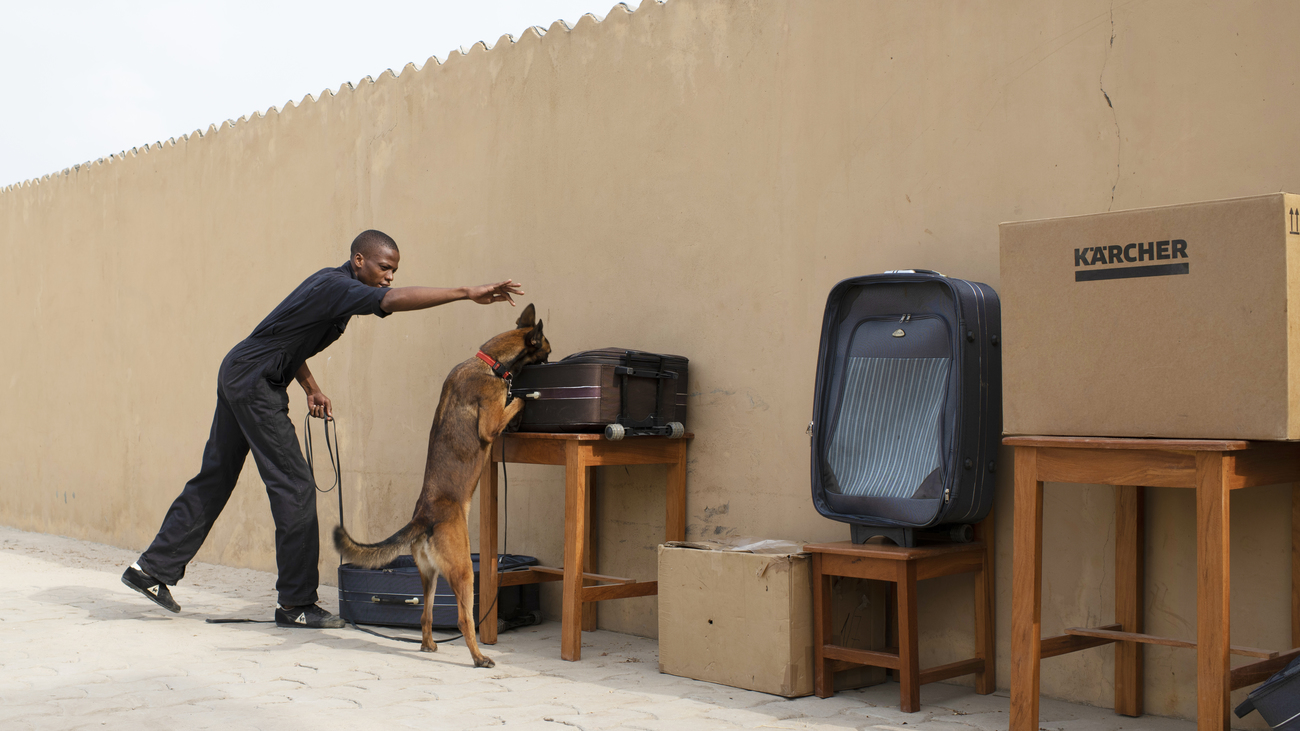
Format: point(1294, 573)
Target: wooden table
point(903, 567)
point(1211, 467)
point(578, 454)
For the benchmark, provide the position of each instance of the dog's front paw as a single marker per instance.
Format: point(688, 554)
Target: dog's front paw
point(486, 662)
point(429, 648)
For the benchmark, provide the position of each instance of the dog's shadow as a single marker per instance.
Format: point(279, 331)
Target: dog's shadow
point(89, 605)
point(351, 638)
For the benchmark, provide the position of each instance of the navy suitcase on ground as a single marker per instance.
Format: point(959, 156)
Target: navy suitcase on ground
point(393, 596)
point(907, 411)
point(1277, 700)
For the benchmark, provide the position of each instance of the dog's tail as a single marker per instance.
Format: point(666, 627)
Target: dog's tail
point(374, 555)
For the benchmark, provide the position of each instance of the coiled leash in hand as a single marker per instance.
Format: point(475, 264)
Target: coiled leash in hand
point(336, 461)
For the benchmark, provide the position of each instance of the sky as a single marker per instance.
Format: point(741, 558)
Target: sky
point(85, 80)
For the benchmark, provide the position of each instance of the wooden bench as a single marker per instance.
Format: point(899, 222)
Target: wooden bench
point(578, 454)
point(1213, 468)
point(903, 567)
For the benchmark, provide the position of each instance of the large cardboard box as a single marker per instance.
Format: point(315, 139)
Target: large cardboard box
point(745, 619)
point(1180, 321)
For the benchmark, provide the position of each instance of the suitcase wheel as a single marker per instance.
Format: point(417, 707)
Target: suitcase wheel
point(614, 432)
point(676, 430)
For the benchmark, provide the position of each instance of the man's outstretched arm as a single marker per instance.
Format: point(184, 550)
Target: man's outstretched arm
point(402, 299)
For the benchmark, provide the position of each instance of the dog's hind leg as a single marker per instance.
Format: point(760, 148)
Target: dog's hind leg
point(429, 581)
point(451, 545)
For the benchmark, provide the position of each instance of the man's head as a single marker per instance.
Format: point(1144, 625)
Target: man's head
point(375, 258)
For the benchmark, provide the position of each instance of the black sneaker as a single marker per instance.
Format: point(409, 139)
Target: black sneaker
point(309, 617)
point(153, 589)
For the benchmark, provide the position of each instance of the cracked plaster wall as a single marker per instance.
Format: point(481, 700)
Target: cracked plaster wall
point(691, 178)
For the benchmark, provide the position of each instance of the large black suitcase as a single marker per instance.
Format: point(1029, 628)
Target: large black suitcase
point(907, 410)
point(393, 595)
point(1277, 700)
point(616, 390)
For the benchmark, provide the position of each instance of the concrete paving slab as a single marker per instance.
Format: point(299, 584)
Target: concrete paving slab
point(599, 720)
point(78, 650)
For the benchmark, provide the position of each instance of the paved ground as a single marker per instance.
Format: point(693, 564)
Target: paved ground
point(78, 650)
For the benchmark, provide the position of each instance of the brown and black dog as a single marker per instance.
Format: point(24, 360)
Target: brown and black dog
point(472, 412)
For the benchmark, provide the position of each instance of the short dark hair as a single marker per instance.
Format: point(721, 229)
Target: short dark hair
point(368, 241)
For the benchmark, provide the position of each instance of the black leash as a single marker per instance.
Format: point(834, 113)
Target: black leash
point(336, 461)
point(239, 621)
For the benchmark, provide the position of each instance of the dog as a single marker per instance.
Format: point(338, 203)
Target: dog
point(472, 412)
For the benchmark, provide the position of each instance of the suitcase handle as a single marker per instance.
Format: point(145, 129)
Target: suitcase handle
point(413, 601)
point(643, 373)
point(916, 271)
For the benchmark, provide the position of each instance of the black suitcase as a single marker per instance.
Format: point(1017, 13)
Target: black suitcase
point(619, 391)
point(907, 410)
point(393, 596)
point(1277, 700)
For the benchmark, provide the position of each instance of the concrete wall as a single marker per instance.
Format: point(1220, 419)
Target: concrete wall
point(691, 178)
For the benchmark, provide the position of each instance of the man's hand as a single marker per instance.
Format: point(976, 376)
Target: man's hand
point(319, 406)
point(486, 294)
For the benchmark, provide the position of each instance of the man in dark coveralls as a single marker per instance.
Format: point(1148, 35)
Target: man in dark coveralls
point(253, 414)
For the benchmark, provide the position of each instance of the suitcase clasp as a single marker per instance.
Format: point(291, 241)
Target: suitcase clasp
point(413, 601)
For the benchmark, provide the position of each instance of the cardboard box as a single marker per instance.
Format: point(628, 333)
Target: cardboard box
point(745, 619)
point(1159, 322)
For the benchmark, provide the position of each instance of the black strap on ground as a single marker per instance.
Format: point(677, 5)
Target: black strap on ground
point(239, 621)
point(356, 627)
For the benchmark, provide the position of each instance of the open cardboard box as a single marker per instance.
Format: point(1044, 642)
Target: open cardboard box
point(739, 612)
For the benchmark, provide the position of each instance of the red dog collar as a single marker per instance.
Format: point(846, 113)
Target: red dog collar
point(497, 369)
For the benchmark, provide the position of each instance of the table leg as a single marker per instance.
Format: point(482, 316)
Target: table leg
point(487, 553)
point(891, 622)
point(675, 524)
point(1295, 565)
point(909, 662)
point(1026, 590)
point(823, 678)
point(589, 619)
point(575, 550)
point(1212, 591)
point(1130, 541)
point(985, 645)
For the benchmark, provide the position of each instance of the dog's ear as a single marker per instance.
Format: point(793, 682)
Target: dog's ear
point(534, 337)
point(528, 318)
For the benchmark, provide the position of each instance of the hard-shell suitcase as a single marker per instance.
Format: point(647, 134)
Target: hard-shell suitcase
point(393, 595)
point(616, 390)
point(1277, 700)
point(907, 410)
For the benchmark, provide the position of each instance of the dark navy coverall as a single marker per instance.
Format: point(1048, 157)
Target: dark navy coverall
point(253, 414)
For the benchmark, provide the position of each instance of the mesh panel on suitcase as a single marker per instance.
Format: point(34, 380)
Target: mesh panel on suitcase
point(886, 441)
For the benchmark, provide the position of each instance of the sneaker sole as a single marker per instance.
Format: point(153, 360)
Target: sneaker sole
point(287, 625)
point(151, 597)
